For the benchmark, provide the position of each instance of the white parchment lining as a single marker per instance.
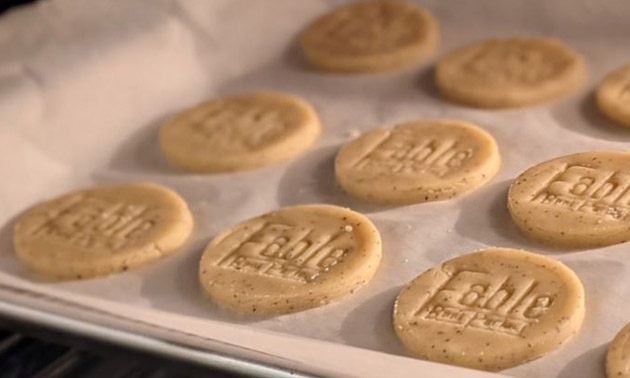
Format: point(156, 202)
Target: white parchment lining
point(85, 85)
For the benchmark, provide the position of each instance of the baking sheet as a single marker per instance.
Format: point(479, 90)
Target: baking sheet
point(85, 85)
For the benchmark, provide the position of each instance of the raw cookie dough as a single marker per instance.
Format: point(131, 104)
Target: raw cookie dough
point(501, 73)
point(371, 36)
point(490, 310)
point(613, 96)
point(417, 162)
point(103, 230)
point(618, 357)
point(291, 259)
point(240, 132)
point(580, 200)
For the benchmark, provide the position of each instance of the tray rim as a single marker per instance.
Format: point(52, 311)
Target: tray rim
point(155, 346)
point(48, 307)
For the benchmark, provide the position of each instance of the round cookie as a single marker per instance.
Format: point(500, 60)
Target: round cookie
point(618, 356)
point(370, 36)
point(500, 73)
point(240, 132)
point(490, 310)
point(103, 230)
point(291, 259)
point(613, 96)
point(417, 162)
point(580, 200)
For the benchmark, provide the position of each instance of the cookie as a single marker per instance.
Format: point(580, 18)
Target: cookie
point(618, 357)
point(370, 36)
point(490, 310)
point(613, 96)
point(502, 73)
point(580, 200)
point(240, 132)
point(103, 230)
point(417, 162)
point(291, 259)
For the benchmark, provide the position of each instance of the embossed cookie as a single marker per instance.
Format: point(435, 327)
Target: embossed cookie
point(613, 96)
point(417, 162)
point(580, 200)
point(240, 132)
point(370, 36)
point(618, 357)
point(104, 230)
point(490, 310)
point(501, 73)
point(291, 259)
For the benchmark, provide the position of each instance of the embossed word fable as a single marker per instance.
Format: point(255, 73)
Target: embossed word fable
point(417, 162)
point(291, 259)
point(104, 230)
point(580, 200)
point(490, 310)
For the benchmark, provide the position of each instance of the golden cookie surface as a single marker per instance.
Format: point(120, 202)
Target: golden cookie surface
point(613, 96)
point(514, 72)
point(490, 310)
point(291, 259)
point(417, 162)
point(103, 230)
point(240, 132)
point(370, 36)
point(580, 200)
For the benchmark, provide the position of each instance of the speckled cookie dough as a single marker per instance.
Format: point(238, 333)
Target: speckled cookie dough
point(240, 132)
point(618, 357)
point(515, 72)
point(417, 162)
point(370, 36)
point(291, 259)
point(490, 310)
point(613, 96)
point(580, 200)
point(103, 230)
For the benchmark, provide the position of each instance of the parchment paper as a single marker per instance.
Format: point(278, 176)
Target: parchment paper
point(85, 85)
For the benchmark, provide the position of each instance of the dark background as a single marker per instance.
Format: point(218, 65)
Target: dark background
point(6, 4)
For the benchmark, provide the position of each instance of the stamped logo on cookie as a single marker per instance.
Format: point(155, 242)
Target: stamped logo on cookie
point(417, 161)
point(370, 36)
point(239, 132)
point(368, 29)
point(601, 192)
point(491, 302)
point(491, 309)
point(294, 253)
point(513, 72)
point(291, 259)
point(102, 230)
point(404, 152)
point(92, 222)
point(580, 200)
point(515, 61)
point(239, 125)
